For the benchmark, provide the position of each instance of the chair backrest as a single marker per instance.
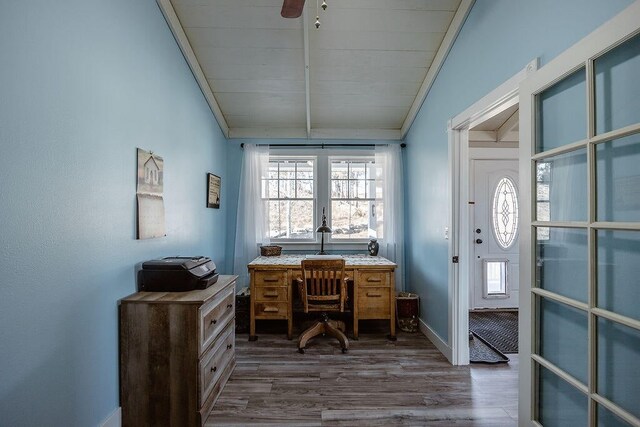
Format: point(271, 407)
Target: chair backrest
point(323, 285)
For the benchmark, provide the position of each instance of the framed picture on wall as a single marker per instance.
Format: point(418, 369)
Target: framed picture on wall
point(213, 191)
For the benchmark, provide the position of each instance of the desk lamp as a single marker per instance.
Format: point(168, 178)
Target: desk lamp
point(323, 229)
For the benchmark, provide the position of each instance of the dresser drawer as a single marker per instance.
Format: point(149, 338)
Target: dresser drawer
point(271, 310)
point(215, 315)
point(270, 278)
point(272, 293)
point(374, 302)
point(373, 278)
point(214, 362)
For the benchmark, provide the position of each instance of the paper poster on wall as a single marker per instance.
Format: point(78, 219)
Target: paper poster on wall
point(150, 173)
point(149, 192)
point(150, 216)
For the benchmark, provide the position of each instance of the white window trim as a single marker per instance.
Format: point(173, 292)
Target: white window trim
point(361, 157)
point(279, 157)
point(322, 198)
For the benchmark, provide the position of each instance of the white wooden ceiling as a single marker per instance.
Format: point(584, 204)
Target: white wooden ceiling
point(368, 64)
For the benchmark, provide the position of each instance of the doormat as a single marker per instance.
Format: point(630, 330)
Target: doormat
point(481, 351)
point(498, 328)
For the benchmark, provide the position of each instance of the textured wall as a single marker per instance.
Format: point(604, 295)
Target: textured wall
point(82, 84)
point(497, 40)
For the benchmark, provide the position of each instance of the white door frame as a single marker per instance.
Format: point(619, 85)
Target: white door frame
point(498, 100)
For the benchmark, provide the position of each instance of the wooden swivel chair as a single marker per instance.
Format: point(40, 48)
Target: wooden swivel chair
point(323, 288)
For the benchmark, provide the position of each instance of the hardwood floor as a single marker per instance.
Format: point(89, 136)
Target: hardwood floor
point(377, 383)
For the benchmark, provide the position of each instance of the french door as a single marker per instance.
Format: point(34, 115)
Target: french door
point(580, 239)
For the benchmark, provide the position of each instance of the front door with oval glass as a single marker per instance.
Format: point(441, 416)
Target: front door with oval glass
point(495, 234)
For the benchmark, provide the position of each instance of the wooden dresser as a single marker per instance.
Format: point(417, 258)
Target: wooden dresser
point(272, 293)
point(177, 351)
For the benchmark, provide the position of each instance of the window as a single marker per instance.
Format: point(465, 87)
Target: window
point(353, 195)
point(543, 213)
point(495, 278)
point(299, 186)
point(505, 213)
point(290, 190)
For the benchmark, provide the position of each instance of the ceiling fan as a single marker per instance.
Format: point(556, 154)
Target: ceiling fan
point(292, 8)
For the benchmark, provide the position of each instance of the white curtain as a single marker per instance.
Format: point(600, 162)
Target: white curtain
point(252, 225)
point(389, 178)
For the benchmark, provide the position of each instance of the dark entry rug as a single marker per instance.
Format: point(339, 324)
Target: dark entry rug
point(498, 328)
point(481, 351)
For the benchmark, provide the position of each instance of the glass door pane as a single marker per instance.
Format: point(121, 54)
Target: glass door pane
point(559, 403)
point(562, 116)
point(563, 337)
point(617, 91)
point(565, 187)
point(618, 287)
point(618, 373)
point(618, 179)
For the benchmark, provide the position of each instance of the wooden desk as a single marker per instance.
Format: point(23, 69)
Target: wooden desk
point(374, 292)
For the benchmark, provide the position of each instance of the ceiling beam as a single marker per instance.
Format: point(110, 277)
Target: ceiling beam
point(307, 92)
point(438, 61)
point(187, 51)
point(507, 126)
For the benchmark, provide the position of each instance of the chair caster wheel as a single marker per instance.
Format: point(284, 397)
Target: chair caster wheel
point(344, 350)
point(301, 350)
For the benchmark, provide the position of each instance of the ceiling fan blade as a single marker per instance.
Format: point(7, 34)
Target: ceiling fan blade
point(292, 8)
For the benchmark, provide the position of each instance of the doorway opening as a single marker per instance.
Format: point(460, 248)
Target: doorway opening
point(483, 142)
point(493, 220)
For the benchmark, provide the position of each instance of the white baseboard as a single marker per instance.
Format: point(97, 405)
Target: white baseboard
point(114, 420)
point(432, 336)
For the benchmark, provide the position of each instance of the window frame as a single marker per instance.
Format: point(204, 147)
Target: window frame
point(322, 190)
point(362, 159)
point(297, 158)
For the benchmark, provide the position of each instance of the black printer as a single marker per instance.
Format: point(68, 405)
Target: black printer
point(178, 274)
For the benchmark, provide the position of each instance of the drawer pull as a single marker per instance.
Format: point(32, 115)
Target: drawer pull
point(271, 294)
point(213, 369)
point(271, 279)
point(229, 305)
point(370, 294)
point(271, 309)
point(374, 279)
point(214, 321)
point(229, 346)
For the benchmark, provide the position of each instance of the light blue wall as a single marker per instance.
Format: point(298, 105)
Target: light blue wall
point(497, 40)
point(82, 84)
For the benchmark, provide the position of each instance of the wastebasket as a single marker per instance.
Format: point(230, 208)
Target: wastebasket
point(243, 301)
point(408, 311)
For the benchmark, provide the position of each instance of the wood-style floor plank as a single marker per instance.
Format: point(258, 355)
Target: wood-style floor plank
point(377, 383)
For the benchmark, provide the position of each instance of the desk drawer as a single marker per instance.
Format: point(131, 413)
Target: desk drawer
point(214, 362)
point(215, 315)
point(272, 293)
point(271, 310)
point(270, 278)
point(374, 303)
point(373, 278)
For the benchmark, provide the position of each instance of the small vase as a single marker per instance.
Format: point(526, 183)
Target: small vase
point(373, 247)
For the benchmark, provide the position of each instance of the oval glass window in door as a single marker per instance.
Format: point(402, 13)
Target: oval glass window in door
point(505, 212)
